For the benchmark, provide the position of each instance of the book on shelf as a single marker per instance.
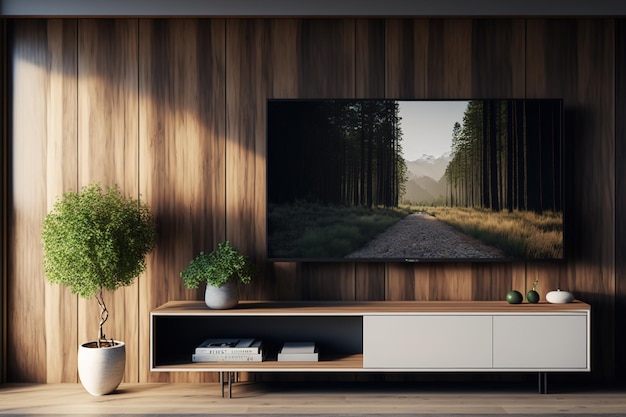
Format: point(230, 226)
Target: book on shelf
point(229, 357)
point(229, 350)
point(298, 352)
point(230, 346)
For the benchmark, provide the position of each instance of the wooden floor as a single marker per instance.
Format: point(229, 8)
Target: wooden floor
point(304, 398)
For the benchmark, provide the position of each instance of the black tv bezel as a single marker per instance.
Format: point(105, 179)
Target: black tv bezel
point(404, 260)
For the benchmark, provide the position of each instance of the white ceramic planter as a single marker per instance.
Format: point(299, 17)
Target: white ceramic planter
point(559, 297)
point(222, 298)
point(101, 369)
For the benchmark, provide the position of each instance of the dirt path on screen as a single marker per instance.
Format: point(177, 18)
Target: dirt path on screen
point(422, 236)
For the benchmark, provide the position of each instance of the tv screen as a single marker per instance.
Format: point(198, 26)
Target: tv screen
point(414, 180)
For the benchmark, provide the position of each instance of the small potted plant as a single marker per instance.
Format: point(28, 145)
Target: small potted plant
point(222, 270)
point(96, 240)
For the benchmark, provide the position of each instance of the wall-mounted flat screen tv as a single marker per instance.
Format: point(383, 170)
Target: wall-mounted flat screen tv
point(414, 180)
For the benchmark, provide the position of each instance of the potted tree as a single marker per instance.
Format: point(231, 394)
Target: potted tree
point(221, 270)
point(96, 240)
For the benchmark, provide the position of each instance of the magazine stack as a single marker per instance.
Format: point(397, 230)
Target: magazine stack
point(229, 350)
point(298, 352)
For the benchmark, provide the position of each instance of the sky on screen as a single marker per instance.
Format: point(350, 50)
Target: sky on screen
point(427, 126)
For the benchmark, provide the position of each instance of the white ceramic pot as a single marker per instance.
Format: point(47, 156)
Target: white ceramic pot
point(101, 369)
point(559, 297)
point(222, 298)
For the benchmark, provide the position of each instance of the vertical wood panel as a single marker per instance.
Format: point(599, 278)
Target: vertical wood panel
point(42, 336)
point(620, 196)
point(3, 194)
point(26, 349)
point(61, 306)
point(574, 59)
point(450, 281)
point(182, 157)
point(593, 276)
point(449, 59)
point(246, 88)
point(406, 46)
point(332, 281)
point(498, 58)
point(370, 281)
point(407, 282)
point(325, 61)
point(491, 281)
point(370, 58)
point(108, 152)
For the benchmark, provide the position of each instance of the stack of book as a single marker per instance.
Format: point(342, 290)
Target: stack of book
point(229, 350)
point(298, 352)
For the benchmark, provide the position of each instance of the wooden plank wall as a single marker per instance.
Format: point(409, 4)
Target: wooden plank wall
point(620, 185)
point(182, 159)
point(3, 193)
point(173, 110)
point(575, 60)
point(42, 336)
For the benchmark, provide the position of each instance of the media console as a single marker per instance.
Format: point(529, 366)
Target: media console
point(381, 336)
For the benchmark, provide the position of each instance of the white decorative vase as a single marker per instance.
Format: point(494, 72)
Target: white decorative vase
point(222, 298)
point(101, 369)
point(559, 297)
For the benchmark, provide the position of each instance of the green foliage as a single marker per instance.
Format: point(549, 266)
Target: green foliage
point(218, 267)
point(95, 239)
point(309, 230)
point(359, 142)
point(520, 234)
point(497, 152)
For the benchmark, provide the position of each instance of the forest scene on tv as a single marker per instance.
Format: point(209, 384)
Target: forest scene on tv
point(380, 180)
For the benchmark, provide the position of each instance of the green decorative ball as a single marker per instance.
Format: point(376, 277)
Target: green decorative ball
point(514, 297)
point(532, 297)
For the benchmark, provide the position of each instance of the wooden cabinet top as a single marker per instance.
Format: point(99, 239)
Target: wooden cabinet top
point(357, 308)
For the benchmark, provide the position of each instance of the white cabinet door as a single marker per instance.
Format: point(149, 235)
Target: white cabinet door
point(427, 342)
point(540, 342)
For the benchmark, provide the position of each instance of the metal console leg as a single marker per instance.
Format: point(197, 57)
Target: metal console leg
point(226, 381)
point(543, 382)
